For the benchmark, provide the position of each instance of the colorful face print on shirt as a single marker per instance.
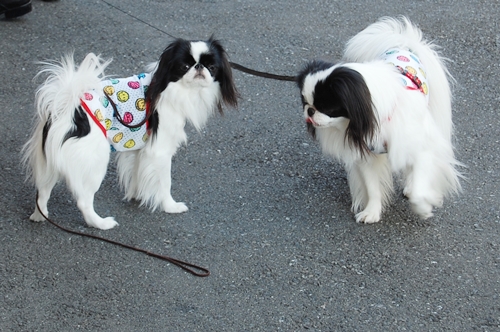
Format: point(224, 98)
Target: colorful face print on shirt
point(128, 94)
point(140, 104)
point(122, 96)
point(410, 67)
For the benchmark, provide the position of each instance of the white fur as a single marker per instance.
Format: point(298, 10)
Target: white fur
point(197, 49)
point(417, 134)
point(389, 33)
point(82, 162)
point(143, 173)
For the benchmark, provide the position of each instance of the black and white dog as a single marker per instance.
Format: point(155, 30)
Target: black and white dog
point(73, 132)
point(386, 108)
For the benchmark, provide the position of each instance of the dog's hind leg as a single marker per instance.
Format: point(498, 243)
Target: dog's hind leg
point(41, 171)
point(85, 202)
point(44, 188)
point(422, 179)
point(84, 169)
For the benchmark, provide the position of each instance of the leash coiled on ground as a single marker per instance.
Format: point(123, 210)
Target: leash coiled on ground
point(188, 267)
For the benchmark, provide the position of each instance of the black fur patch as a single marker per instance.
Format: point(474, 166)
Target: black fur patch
point(45, 132)
point(81, 125)
point(153, 123)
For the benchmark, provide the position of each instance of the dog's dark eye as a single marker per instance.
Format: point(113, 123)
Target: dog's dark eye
point(212, 68)
point(185, 67)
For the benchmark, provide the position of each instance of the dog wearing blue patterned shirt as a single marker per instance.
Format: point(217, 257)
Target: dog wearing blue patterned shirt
point(79, 115)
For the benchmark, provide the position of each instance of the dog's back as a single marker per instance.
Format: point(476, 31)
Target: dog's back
point(388, 33)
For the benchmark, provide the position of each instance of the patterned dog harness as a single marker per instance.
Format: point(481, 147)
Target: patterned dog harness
point(120, 111)
point(413, 78)
point(411, 68)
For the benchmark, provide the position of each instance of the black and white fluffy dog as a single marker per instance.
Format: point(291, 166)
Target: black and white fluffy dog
point(191, 80)
point(386, 108)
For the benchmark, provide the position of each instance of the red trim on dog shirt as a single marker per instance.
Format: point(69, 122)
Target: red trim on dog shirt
point(84, 105)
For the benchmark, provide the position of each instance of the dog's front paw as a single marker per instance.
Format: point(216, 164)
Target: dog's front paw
point(368, 217)
point(175, 207)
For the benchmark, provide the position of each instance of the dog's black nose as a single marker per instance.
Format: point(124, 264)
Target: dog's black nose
point(198, 66)
point(310, 111)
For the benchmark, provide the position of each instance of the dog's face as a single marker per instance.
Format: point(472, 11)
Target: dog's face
point(336, 96)
point(320, 105)
point(195, 64)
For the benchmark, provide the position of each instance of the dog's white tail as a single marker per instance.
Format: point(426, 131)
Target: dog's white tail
point(61, 92)
point(56, 100)
point(389, 33)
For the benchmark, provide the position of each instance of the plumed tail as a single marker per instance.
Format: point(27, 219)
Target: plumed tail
point(65, 84)
point(381, 36)
point(388, 33)
point(56, 100)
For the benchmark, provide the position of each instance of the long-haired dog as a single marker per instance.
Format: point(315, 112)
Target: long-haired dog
point(385, 109)
point(80, 114)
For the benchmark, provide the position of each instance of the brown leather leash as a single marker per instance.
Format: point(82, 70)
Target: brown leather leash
point(188, 267)
point(262, 74)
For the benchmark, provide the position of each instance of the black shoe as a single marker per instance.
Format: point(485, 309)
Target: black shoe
point(14, 8)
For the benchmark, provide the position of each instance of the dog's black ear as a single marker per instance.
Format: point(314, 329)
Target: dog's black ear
point(166, 71)
point(301, 76)
point(353, 99)
point(311, 68)
point(224, 76)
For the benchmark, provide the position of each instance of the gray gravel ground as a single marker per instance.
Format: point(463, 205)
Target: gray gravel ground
point(269, 215)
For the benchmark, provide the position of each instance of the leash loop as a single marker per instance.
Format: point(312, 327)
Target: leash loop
point(195, 270)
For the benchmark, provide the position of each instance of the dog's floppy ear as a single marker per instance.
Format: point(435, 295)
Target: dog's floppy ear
point(165, 71)
point(353, 98)
point(163, 75)
point(224, 76)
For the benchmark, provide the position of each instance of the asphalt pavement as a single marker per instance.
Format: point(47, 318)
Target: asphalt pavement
point(269, 215)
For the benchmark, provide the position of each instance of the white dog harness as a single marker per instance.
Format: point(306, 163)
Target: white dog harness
point(411, 68)
point(120, 111)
